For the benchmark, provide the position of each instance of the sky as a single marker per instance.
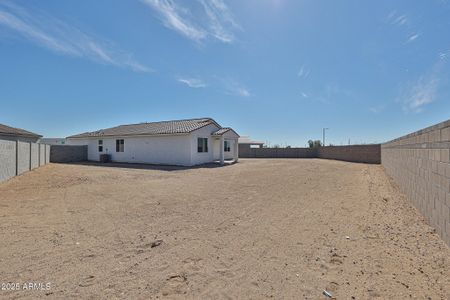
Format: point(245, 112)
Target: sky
point(276, 70)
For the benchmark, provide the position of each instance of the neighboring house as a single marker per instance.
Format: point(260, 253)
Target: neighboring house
point(179, 142)
point(53, 141)
point(17, 134)
point(247, 142)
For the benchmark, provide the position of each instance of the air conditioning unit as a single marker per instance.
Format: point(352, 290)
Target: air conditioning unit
point(104, 158)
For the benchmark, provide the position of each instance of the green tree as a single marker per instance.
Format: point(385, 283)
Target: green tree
point(314, 144)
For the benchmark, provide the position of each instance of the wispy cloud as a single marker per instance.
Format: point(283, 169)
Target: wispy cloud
point(192, 82)
point(422, 93)
point(220, 20)
point(304, 95)
point(444, 55)
point(176, 18)
point(395, 18)
point(62, 38)
point(303, 72)
point(377, 109)
point(417, 95)
point(413, 37)
point(213, 18)
point(235, 88)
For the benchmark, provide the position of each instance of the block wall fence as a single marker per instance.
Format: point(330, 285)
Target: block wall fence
point(420, 165)
point(19, 157)
point(353, 153)
point(68, 153)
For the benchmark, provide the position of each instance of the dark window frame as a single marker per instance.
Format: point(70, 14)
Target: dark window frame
point(226, 146)
point(120, 145)
point(100, 145)
point(202, 145)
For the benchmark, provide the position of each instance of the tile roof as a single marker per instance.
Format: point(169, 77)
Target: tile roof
point(152, 128)
point(221, 131)
point(7, 130)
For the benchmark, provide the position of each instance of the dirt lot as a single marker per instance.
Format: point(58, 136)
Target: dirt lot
point(283, 229)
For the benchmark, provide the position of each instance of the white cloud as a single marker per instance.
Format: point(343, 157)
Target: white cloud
point(192, 82)
point(304, 95)
point(176, 18)
point(444, 55)
point(397, 19)
point(62, 38)
point(377, 109)
point(413, 37)
point(235, 88)
point(303, 72)
point(243, 92)
point(219, 18)
point(422, 93)
point(213, 19)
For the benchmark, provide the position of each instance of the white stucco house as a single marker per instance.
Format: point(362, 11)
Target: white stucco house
point(180, 142)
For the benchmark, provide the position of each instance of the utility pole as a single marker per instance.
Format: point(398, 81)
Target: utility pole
point(323, 134)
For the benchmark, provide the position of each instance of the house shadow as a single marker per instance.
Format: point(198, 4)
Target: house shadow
point(141, 166)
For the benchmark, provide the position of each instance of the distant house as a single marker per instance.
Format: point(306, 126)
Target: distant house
point(17, 134)
point(245, 143)
point(180, 142)
point(53, 141)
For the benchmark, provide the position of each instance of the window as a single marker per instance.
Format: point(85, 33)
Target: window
point(120, 145)
point(100, 145)
point(202, 145)
point(227, 147)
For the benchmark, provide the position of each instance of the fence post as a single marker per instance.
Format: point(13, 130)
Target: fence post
point(29, 165)
point(39, 154)
point(17, 157)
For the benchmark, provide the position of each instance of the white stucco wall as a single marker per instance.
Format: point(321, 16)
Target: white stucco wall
point(203, 157)
point(170, 149)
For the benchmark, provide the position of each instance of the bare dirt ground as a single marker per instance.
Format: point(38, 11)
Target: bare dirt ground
point(283, 229)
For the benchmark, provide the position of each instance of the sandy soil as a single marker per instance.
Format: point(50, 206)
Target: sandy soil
point(283, 229)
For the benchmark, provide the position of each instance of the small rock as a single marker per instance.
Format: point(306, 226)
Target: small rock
point(326, 293)
point(156, 243)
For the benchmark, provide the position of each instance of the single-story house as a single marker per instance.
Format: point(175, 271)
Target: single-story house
point(53, 141)
point(17, 134)
point(246, 141)
point(180, 142)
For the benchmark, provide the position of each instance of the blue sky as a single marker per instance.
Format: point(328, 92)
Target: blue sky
point(276, 70)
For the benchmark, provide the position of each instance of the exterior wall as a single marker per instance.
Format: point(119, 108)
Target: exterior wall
point(66, 153)
point(19, 157)
point(34, 156)
point(170, 149)
point(7, 159)
point(23, 164)
point(47, 154)
point(420, 164)
point(41, 154)
point(229, 137)
point(355, 153)
point(202, 158)
point(246, 152)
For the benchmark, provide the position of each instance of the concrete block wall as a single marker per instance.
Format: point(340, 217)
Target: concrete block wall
point(354, 153)
point(7, 159)
point(23, 151)
point(17, 157)
point(420, 164)
point(68, 153)
point(34, 156)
